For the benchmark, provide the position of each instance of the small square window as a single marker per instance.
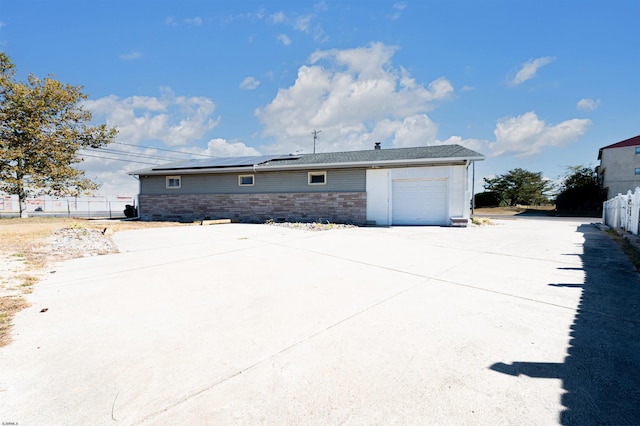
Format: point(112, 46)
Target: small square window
point(245, 180)
point(638, 170)
point(174, 182)
point(637, 149)
point(317, 178)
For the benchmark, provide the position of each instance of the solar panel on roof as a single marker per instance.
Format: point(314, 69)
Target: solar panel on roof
point(211, 163)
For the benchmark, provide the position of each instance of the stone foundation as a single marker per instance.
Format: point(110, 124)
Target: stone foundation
point(335, 207)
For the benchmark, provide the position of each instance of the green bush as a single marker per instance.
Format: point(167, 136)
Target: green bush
point(487, 199)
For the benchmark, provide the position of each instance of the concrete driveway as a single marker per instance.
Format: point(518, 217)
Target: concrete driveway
point(524, 322)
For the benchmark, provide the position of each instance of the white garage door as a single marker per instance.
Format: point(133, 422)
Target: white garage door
point(420, 202)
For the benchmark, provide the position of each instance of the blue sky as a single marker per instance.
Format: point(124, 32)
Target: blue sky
point(539, 84)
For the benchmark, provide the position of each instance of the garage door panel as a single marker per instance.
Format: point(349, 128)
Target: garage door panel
point(420, 202)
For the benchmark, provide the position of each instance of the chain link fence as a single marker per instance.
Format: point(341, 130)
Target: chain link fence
point(84, 207)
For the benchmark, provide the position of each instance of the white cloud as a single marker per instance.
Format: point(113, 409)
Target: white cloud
point(320, 6)
point(195, 21)
point(588, 105)
point(277, 18)
point(221, 148)
point(249, 83)
point(131, 56)
point(529, 69)
point(146, 121)
point(477, 145)
point(527, 134)
point(2, 24)
point(302, 23)
point(172, 21)
point(415, 130)
point(174, 120)
point(284, 39)
point(398, 8)
point(356, 97)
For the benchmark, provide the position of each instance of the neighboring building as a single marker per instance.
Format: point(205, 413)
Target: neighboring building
point(402, 186)
point(619, 169)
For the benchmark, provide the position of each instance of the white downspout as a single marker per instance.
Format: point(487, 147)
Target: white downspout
point(473, 188)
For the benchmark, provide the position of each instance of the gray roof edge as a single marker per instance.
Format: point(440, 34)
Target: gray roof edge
point(192, 171)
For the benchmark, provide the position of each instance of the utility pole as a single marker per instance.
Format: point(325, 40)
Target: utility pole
point(315, 137)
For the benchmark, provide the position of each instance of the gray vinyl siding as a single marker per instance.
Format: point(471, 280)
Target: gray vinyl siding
point(338, 180)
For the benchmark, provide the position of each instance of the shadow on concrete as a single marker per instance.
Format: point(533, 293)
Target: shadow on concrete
point(601, 374)
point(567, 285)
point(561, 213)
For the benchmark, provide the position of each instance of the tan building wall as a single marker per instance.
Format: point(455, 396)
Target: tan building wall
point(618, 169)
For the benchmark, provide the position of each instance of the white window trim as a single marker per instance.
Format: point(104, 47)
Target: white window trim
point(168, 178)
point(253, 180)
point(310, 174)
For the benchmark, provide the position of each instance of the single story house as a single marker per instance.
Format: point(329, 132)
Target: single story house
point(402, 186)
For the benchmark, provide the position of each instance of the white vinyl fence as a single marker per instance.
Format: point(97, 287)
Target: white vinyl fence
point(623, 211)
point(88, 207)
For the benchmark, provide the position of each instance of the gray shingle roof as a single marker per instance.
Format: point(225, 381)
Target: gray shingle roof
point(369, 157)
point(376, 155)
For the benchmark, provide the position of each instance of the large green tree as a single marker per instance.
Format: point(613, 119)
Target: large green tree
point(43, 126)
point(519, 187)
point(580, 190)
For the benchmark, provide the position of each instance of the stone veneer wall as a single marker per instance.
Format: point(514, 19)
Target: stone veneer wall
point(335, 207)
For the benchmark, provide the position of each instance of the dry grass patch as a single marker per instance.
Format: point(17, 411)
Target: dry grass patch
point(626, 247)
point(9, 307)
point(19, 236)
point(480, 221)
point(513, 210)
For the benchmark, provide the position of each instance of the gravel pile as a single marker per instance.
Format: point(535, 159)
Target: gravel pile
point(70, 243)
point(312, 226)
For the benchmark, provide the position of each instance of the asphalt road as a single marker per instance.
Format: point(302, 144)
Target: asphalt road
point(523, 322)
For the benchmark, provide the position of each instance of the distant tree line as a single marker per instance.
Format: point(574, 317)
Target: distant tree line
point(579, 190)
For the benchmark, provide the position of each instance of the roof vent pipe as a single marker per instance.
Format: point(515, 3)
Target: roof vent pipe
point(377, 146)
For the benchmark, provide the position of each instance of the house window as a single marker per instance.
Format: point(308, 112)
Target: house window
point(245, 180)
point(317, 178)
point(637, 149)
point(637, 170)
point(174, 182)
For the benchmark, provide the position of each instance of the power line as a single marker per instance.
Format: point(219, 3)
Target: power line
point(118, 159)
point(150, 157)
point(132, 154)
point(164, 149)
